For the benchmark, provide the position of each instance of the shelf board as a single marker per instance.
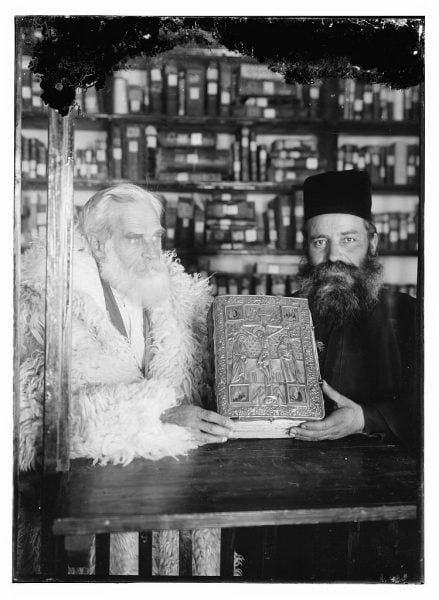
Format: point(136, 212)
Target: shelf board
point(231, 123)
point(263, 251)
point(362, 127)
point(259, 187)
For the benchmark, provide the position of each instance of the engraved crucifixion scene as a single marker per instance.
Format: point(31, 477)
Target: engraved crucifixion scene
point(265, 358)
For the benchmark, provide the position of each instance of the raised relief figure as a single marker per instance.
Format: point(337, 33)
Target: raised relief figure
point(266, 368)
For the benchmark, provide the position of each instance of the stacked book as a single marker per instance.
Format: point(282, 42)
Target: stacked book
point(91, 162)
point(33, 158)
point(264, 94)
point(376, 102)
point(30, 89)
point(134, 152)
point(259, 283)
point(231, 222)
point(218, 221)
point(396, 164)
point(292, 160)
point(178, 87)
point(249, 159)
point(397, 231)
point(283, 222)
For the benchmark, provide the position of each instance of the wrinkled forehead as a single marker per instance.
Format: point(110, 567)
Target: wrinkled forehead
point(137, 217)
point(335, 224)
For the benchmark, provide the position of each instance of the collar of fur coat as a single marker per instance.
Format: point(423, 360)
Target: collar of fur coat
point(178, 326)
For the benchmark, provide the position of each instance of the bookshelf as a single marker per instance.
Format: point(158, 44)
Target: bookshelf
point(227, 143)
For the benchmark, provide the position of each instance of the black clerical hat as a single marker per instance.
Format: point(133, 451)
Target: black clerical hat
point(346, 192)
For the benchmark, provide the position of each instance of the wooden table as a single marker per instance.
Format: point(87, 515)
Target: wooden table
point(243, 483)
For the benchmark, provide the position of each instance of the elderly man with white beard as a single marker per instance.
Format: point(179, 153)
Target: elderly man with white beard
point(139, 359)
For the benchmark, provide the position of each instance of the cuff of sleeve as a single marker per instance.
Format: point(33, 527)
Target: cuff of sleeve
point(374, 422)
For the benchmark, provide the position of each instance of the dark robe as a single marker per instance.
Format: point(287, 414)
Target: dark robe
point(373, 362)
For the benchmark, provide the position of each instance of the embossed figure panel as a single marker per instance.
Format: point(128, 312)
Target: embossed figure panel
point(266, 364)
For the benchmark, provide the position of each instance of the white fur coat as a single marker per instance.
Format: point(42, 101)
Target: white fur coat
point(115, 412)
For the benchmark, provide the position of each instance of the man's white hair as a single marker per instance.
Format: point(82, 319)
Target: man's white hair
point(99, 214)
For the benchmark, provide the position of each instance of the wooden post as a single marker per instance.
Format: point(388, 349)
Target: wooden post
point(58, 293)
point(17, 265)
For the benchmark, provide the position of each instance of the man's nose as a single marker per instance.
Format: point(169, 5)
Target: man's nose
point(333, 252)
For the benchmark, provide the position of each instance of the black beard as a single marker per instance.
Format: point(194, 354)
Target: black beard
point(338, 292)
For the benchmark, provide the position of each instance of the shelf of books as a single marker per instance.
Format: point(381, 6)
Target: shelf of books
point(227, 144)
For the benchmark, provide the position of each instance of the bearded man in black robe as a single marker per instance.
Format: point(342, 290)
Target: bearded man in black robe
point(367, 334)
point(367, 338)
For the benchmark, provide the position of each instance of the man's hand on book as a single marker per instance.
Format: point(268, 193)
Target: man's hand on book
point(346, 419)
point(206, 426)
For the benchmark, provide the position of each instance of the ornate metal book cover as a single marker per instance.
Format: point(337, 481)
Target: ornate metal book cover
point(267, 373)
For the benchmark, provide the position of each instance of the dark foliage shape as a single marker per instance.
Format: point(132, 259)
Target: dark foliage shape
point(78, 52)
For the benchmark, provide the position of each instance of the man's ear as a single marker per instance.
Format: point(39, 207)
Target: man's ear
point(373, 244)
point(97, 247)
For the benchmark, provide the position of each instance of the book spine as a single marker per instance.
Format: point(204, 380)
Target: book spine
point(390, 164)
point(394, 232)
point(261, 284)
point(384, 108)
point(412, 237)
point(236, 161)
point(314, 97)
point(262, 162)
point(155, 80)
point(171, 88)
point(408, 104)
point(181, 92)
point(116, 153)
point(91, 104)
point(400, 162)
point(199, 227)
point(225, 89)
point(37, 102)
point(245, 286)
point(195, 91)
point(298, 219)
point(33, 157)
point(212, 81)
point(170, 226)
point(412, 159)
point(245, 154)
point(398, 105)
point(132, 153)
point(101, 160)
point(185, 223)
point(403, 232)
point(376, 103)
point(385, 243)
point(120, 95)
point(358, 107)
point(284, 215)
point(150, 156)
point(383, 164)
point(135, 99)
point(253, 150)
point(368, 101)
point(26, 84)
point(41, 167)
point(271, 235)
point(375, 165)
